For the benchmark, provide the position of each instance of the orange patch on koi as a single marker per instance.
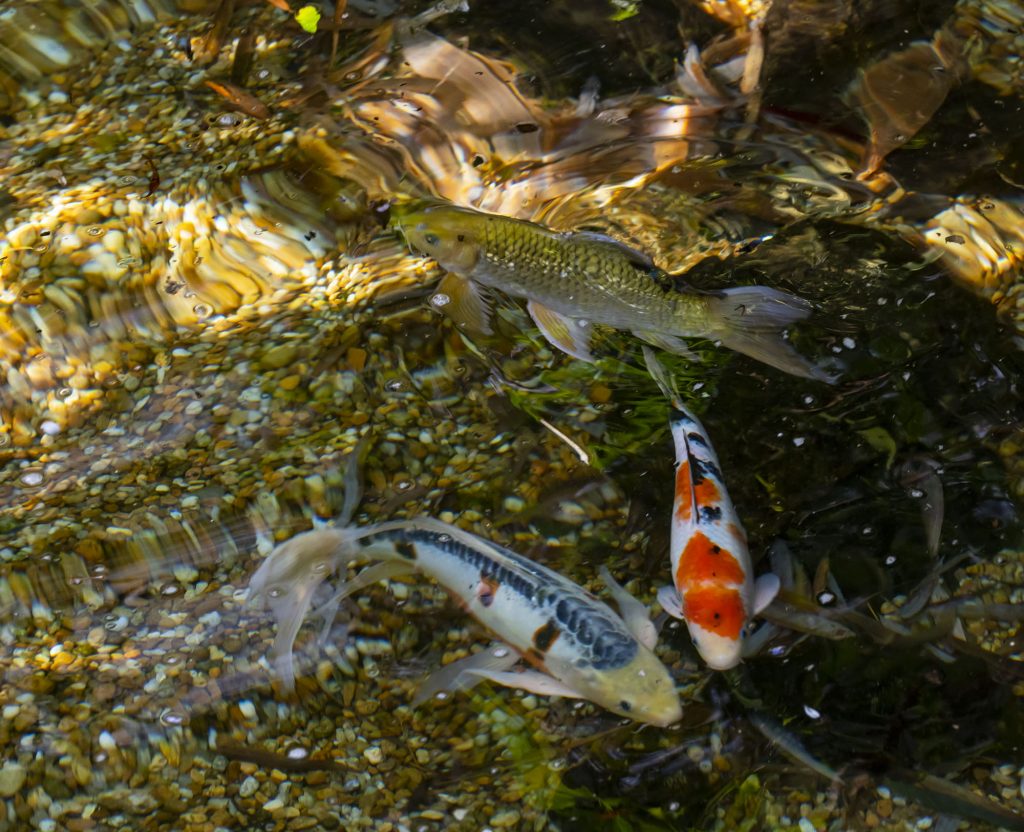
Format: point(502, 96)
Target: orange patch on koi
point(707, 492)
point(684, 496)
point(716, 609)
point(704, 562)
point(486, 590)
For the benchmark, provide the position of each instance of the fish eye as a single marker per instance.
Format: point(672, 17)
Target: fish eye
point(431, 239)
point(626, 706)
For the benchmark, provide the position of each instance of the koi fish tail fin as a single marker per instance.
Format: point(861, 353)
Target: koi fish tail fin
point(288, 582)
point(750, 319)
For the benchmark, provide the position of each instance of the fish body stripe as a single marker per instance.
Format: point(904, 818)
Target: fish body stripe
point(710, 562)
point(527, 605)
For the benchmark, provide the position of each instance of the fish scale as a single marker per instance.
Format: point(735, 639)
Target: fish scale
point(563, 266)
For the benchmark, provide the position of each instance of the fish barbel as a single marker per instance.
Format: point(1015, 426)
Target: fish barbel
point(575, 280)
point(576, 645)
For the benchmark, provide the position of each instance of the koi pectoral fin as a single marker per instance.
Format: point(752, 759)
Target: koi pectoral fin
point(765, 589)
point(465, 673)
point(570, 335)
point(670, 601)
point(529, 680)
point(464, 302)
point(634, 614)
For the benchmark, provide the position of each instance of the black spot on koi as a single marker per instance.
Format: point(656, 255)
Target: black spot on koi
point(710, 513)
point(546, 636)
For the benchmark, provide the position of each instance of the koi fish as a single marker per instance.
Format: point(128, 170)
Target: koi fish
point(575, 644)
point(575, 280)
point(714, 591)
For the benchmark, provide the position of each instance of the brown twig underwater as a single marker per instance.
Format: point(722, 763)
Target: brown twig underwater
point(240, 99)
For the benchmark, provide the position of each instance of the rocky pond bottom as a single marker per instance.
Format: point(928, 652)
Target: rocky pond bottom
point(204, 314)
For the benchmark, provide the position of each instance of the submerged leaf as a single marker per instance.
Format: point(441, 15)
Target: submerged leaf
point(881, 440)
point(308, 17)
point(624, 10)
point(899, 94)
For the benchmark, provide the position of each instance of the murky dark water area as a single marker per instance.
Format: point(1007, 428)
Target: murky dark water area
point(217, 334)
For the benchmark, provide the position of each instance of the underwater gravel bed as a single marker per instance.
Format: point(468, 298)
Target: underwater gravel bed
point(143, 477)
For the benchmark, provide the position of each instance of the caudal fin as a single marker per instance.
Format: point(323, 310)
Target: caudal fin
point(750, 320)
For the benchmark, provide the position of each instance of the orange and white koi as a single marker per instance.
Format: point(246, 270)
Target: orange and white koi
point(714, 590)
point(575, 645)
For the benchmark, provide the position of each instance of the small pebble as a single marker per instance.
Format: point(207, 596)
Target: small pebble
point(12, 778)
point(250, 785)
point(505, 819)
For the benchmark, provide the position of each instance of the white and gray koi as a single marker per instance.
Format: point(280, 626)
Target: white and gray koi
point(576, 644)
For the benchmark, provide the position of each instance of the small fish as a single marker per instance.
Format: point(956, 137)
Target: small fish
point(575, 280)
point(790, 745)
point(576, 645)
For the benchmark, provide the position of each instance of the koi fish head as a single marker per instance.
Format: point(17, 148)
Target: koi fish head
point(718, 652)
point(641, 690)
point(450, 235)
point(715, 616)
